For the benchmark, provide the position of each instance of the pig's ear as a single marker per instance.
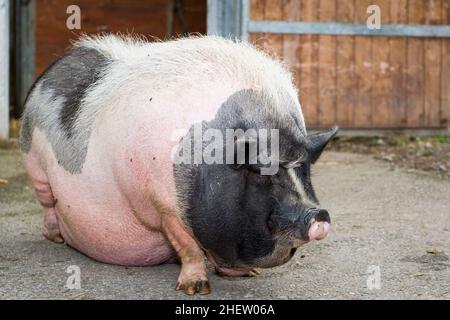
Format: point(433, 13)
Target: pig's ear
point(318, 141)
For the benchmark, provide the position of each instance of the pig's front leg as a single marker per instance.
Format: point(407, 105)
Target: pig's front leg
point(193, 276)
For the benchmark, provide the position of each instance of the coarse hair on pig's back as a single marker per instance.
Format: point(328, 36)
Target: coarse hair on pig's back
point(200, 55)
point(195, 60)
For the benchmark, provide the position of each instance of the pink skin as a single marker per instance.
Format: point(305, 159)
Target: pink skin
point(227, 272)
point(318, 230)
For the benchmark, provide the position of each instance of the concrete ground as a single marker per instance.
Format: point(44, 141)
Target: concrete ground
point(392, 221)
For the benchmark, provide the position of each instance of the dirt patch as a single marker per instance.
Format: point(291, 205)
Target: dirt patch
point(436, 261)
point(428, 154)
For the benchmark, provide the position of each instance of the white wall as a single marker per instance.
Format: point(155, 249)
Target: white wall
point(4, 69)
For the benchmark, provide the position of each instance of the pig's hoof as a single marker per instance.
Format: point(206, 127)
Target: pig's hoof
point(52, 235)
point(252, 273)
point(191, 287)
point(226, 272)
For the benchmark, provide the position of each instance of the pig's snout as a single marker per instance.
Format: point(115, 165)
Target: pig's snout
point(319, 224)
point(318, 230)
point(310, 224)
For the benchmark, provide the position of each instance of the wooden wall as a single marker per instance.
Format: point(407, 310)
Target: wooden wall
point(359, 81)
point(147, 17)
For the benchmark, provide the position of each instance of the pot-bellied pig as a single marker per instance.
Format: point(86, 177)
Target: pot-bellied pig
point(117, 139)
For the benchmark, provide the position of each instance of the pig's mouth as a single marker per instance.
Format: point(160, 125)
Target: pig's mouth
point(312, 224)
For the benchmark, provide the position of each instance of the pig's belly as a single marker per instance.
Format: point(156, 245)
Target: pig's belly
point(110, 234)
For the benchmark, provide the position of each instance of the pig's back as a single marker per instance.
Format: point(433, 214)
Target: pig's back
point(108, 79)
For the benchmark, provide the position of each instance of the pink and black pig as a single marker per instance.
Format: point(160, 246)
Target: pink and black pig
point(104, 124)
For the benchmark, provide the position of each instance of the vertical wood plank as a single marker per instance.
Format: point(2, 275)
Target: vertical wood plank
point(309, 86)
point(415, 71)
point(327, 67)
point(445, 71)
point(274, 11)
point(292, 12)
point(257, 8)
point(398, 57)
point(381, 82)
point(433, 66)
point(363, 71)
point(345, 70)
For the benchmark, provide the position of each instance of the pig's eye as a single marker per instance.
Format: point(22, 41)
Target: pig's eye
point(292, 164)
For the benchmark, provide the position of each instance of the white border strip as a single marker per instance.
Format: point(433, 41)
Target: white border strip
point(400, 30)
point(4, 69)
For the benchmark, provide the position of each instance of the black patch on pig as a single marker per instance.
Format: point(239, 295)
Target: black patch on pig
point(228, 209)
point(70, 77)
point(54, 102)
point(26, 128)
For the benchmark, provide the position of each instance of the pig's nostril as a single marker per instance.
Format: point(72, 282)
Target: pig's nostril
point(292, 252)
point(322, 215)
